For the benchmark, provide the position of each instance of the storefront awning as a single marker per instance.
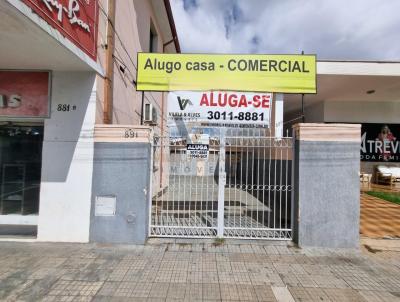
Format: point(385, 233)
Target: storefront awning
point(350, 81)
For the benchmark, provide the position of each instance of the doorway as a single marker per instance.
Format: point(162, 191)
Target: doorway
point(20, 177)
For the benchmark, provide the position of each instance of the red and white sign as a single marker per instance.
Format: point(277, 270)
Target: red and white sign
point(24, 94)
point(219, 108)
point(75, 19)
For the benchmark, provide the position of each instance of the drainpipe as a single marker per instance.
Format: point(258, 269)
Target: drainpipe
point(171, 22)
point(141, 110)
point(109, 66)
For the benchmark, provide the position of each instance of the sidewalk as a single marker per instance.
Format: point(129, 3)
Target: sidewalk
point(204, 271)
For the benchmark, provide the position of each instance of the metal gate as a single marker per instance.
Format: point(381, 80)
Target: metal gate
point(243, 189)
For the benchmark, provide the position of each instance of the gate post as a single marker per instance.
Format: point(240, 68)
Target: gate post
point(326, 185)
point(120, 197)
point(221, 185)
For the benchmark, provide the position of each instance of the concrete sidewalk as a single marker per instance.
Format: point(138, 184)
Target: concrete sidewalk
point(195, 271)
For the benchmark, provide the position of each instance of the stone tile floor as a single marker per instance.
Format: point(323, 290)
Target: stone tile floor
point(379, 218)
point(195, 271)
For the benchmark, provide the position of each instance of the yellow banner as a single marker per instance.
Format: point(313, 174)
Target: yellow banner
point(200, 72)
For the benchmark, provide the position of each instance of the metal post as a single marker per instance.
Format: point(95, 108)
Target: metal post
point(221, 185)
point(303, 118)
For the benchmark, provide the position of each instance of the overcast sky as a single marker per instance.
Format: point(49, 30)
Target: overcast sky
point(332, 29)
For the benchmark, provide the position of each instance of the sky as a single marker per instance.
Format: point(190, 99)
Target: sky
point(332, 29)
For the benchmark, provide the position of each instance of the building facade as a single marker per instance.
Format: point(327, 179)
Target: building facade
point(66, 67)
point(85, 157)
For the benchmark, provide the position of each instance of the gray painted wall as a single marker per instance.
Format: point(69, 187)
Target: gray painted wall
point(122, 170)
point(327, 194)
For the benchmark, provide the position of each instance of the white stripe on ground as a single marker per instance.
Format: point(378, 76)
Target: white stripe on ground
point(282, 294)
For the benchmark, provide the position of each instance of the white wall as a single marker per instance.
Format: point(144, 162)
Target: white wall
point(67, 164)
point(362, 112)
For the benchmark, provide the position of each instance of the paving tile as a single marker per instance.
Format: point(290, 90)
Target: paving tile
point(229, 292)
point(211, 291)
point(264, 293)
point(238, 267)
point(298, 280)
point(242, 278)
point(220, 274)
point(164, 276)
point(329, 281)
point(285, 268)
point(379, 296)
point(195, 277)
point(246, 293)
point(159, 290)
point(142, 290)
point(210, 277)
point(117, 274)
point(343, 295)
point(176, 291)
point(363, 282)
point(303, 294)
point(108, 289)
point(226, 278)
point(133, 275)
point(194, 292)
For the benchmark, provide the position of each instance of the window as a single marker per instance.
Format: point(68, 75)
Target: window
point(153, 39)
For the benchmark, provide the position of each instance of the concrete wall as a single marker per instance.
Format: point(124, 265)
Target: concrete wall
point(326, 185)
point(121, 170)
point(64, 209)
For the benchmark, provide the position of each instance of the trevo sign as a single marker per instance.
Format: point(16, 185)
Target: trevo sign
point(75, 19)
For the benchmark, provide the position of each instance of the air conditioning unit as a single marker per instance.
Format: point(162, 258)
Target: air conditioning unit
point(150, 114)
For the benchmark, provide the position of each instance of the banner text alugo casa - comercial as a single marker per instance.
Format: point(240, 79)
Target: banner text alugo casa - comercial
point(202, 72)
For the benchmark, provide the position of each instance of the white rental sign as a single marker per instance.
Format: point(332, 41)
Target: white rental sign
point(227, 109)
point(198, 146)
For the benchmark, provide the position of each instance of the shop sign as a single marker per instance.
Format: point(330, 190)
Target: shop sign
point(24, 94)
point(202, 72)
point(75, 19)
point(379, 142)
point(218, 108)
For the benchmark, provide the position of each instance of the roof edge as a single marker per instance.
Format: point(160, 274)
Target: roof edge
point(359, 61)
point(171, 22)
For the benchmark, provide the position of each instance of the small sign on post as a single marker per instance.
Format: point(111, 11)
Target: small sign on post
point(198, 151)
point(198, 146)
